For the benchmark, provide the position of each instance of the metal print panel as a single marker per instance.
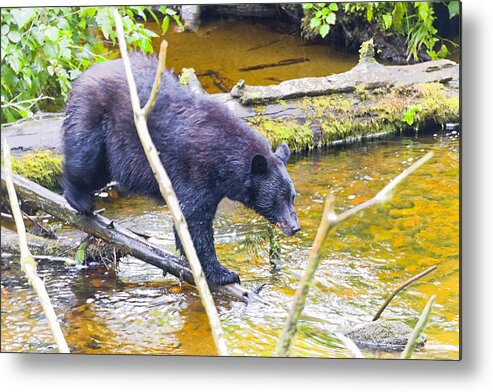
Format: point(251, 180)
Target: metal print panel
point(277, 180)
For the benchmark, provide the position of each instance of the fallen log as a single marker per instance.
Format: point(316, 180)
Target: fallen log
point(366, 102)
point(39, 245)
point(368, 74)
point(124, 240)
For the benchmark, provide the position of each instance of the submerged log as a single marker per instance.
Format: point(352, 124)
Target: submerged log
point(124, 240)
point(281, 63)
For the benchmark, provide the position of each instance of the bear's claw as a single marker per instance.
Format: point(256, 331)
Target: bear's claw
point(222, 276)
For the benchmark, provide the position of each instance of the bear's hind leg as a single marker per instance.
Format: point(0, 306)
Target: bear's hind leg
point(85, 169)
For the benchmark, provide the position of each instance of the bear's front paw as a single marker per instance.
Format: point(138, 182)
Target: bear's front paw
point(221, 276)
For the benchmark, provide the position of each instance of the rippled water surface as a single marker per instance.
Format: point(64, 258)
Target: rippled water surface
point(137, 310)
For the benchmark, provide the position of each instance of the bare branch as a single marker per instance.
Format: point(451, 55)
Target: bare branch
point(329, 220)
point(157, 80)
point(400, 288)
point(168, 193)
point(28, 264)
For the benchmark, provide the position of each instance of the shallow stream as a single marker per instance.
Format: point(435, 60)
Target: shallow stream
point(138, 311)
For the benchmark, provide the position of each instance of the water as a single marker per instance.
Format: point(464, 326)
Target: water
point(138, 311)
point(221, 49)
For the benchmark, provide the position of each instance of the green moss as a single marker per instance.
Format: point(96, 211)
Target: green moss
point(42, 167)
point(366, 112)
point(361, 113)
point(259, 109)
point(296, 136)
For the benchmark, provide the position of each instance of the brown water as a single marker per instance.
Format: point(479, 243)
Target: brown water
point(137, 310)
point(221, 49)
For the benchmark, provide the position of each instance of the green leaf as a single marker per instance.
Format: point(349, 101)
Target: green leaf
point(14, 36)
point(23, 15)
point(5, 29)
point(333, 7)
point(331, 19)
point(315, 22)
point(387, 21)
point(178, 22)
point(453, 9)
point(398, 14)
point(50, 70)
point(307, 6)
point(165, 25)
point(369, 13)
point(324, 30)
point(14, 63)
point(80, 255)
point(51, 33)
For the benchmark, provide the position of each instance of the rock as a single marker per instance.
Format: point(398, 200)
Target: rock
point(383, 335)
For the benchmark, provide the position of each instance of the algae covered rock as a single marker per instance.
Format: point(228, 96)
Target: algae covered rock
point(383, 335)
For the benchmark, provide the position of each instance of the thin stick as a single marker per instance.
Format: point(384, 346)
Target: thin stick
point(157, 80)
point(60, 259)
point(284, 344)
point(402, 287)
point(330, 220)
point(39, 225)
point(420, 325)
point(28, 264)
point(168, 193)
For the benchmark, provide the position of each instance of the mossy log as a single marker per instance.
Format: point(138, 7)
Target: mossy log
point(127, 242)
point(368, 101)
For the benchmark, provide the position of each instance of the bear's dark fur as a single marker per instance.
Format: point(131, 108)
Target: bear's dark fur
point(208, 153)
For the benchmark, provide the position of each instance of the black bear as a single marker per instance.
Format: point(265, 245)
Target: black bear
point(208, 153)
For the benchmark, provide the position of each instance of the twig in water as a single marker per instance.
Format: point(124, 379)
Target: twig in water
point(47, 232)
point(329, 220)
point(28, 264)
point(420, 325)
point(61, 259)
point(400, 288)
point(165, 186)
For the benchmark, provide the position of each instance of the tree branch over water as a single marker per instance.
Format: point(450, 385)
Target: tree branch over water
point(329, 220)
point(165, 186)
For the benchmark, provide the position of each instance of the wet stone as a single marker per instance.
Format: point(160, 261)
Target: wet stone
point(383, 335)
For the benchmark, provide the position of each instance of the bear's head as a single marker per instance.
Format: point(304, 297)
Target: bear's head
point(271, 191)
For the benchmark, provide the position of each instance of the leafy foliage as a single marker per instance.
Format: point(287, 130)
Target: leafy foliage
point(410, 113)
point(44, 49)
point(414, 20)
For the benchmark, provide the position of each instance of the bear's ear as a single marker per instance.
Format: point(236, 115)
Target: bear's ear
point(283, 152)
point(259, 164)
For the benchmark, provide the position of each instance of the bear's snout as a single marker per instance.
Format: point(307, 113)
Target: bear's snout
point(289, 227)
